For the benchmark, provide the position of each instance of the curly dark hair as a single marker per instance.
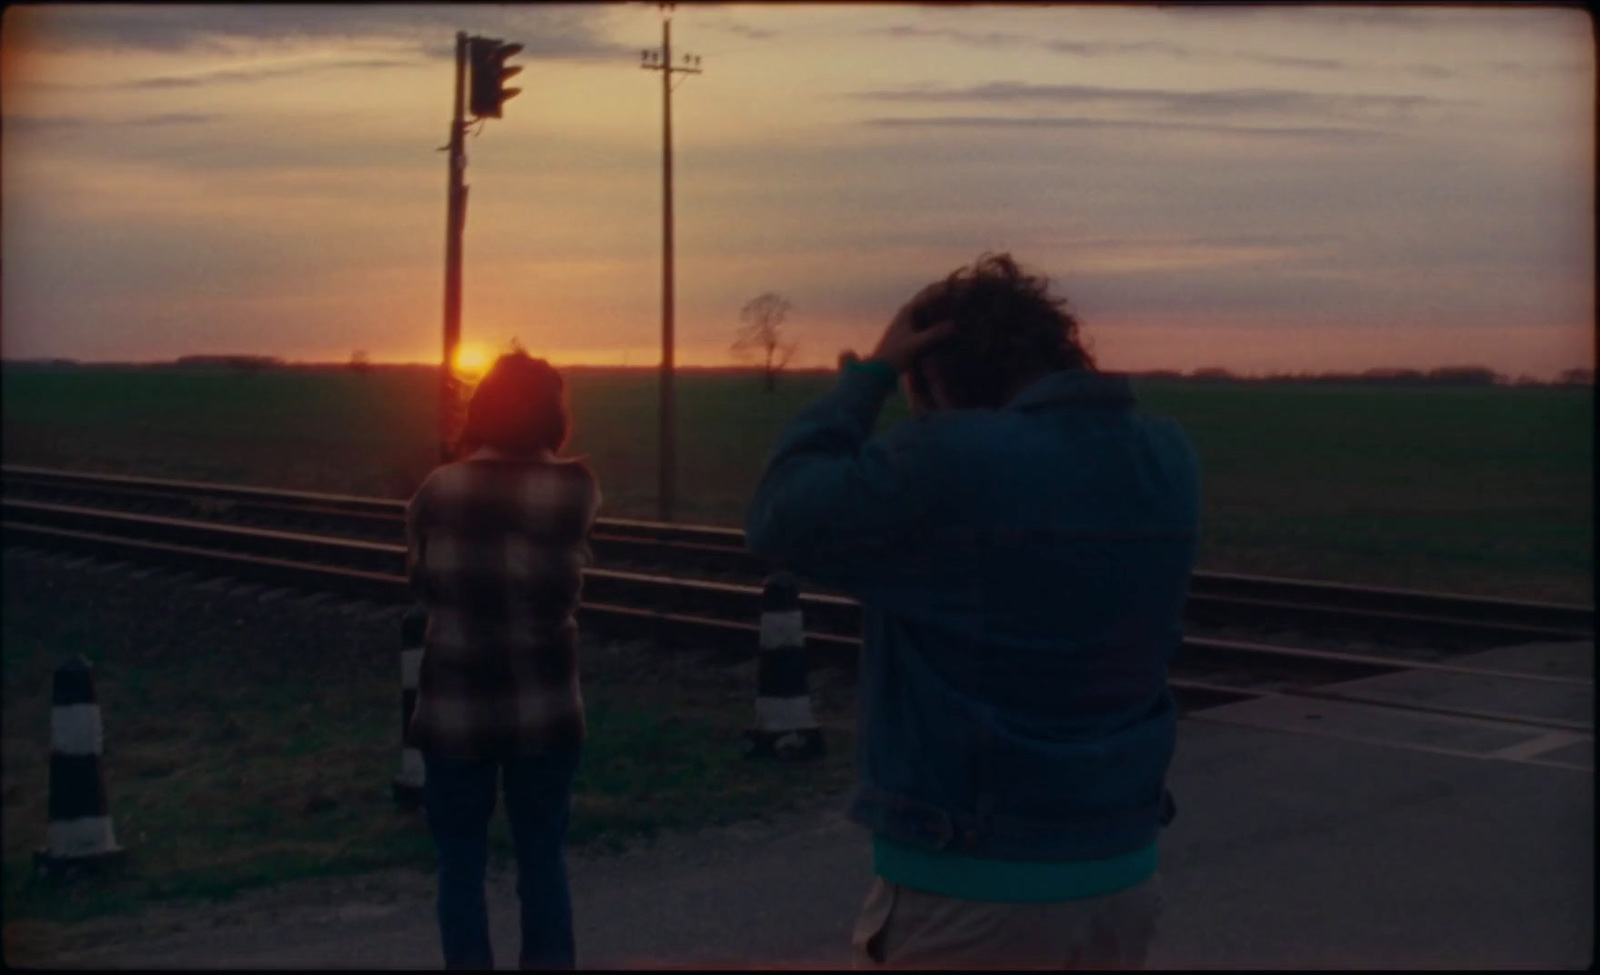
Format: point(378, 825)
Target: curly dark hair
point(1008, 329)
point(519, 407)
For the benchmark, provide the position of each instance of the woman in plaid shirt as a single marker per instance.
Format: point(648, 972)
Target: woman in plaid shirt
point(496, 546)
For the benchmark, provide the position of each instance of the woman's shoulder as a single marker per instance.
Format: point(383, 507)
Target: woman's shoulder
point(446, 486)
point(575, 480)
point(431, 480)
point(532, 478)
point(576, 468)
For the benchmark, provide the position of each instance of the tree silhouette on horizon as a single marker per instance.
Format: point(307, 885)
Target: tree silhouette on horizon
point(762, 336)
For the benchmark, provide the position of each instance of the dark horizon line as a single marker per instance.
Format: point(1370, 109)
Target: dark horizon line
point(277, 362)
point(1213, 371)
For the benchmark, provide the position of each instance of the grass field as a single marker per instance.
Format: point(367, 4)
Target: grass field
point(1485, 491)
point(270, 757)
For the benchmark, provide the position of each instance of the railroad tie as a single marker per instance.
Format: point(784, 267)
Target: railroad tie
point(80, 836)
point(408, 784)
point(785, 725)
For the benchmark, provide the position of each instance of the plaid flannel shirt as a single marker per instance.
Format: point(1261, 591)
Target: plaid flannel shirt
point(495, 551)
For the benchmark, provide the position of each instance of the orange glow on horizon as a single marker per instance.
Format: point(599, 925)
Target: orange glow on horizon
point(1245, 350)
point(473, 359)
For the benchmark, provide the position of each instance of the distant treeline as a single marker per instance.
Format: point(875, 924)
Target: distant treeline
point(1446, 376)
point(245, 363)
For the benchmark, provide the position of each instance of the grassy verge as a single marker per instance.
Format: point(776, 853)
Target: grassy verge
point(243, 768)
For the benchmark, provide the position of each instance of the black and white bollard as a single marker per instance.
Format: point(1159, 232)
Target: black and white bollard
point(408, 784)
point(80, 834)
point(785, 725)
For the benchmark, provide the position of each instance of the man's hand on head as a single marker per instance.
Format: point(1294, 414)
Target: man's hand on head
point(901, 345)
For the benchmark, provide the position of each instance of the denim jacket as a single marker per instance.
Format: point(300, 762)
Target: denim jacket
point(1022, 574)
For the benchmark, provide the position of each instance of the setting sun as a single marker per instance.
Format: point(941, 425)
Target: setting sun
point(473, 358)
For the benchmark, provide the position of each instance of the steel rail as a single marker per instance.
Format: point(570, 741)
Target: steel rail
point(1214, 599)
point(276, 562)
point(836, 613)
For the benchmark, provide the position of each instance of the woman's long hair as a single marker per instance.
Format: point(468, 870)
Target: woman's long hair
point(519, 407)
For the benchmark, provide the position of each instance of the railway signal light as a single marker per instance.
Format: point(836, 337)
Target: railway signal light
point(489, 73)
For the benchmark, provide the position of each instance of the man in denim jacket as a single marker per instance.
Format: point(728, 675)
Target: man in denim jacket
point(1021, 550)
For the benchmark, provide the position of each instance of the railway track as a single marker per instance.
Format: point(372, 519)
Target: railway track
point(718, 555)
point(721, 615)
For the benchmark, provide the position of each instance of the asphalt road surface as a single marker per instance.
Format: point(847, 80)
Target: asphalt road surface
point(1290, 850)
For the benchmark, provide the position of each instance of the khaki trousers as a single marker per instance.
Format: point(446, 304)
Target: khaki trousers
point(904, 928)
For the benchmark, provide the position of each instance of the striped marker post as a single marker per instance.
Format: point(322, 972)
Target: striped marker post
point(408, 784)
point(80, 834)
point(785, 725)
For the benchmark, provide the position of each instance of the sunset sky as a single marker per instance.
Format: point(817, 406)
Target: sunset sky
point(1258, 188)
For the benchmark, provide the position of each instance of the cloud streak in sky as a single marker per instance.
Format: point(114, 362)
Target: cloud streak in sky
point(571, 31)
point(995, 38)
point(231, 75)
point(236, 75)
point(1067, 122)
point(1122, 49)
point(1531, 18)
point(1218, 103)
point(1285, 61)
point(39, 124)
point(174, 118)
point(746, 31)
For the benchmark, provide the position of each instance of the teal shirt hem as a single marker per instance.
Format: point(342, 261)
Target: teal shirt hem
point(979, 879)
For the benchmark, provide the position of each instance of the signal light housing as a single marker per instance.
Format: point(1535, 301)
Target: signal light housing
point(489, 73)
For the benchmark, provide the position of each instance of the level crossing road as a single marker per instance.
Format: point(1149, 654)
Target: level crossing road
point(1377, 846)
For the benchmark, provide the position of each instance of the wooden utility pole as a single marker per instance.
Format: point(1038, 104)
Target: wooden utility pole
point(662, 61)
point(455, 222)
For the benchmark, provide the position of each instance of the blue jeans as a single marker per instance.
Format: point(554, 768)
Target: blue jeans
point(460, 797)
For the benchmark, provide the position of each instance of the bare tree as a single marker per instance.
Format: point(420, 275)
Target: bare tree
point(359, 361)
point(762, 337)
